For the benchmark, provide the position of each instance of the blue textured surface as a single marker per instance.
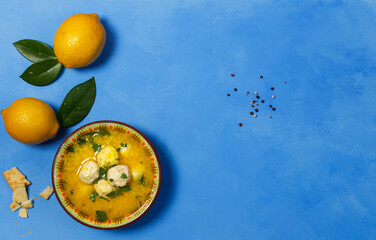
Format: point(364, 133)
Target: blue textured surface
point(308, 173)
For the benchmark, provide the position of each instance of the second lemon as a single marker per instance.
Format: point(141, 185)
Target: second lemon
point(79, 40)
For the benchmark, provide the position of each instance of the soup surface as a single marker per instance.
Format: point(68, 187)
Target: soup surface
point(126, 200)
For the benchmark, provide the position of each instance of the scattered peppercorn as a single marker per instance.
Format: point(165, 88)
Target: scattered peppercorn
point(270, 106)
point(273, 109)
point(273, 96)
point(256, 110)
point(255, 115)
point(272, 88)
point(261, 76)
point(228, 94)
point(251, 113)
point(240, 124)
point(262, 101)
point(247, 93)
point(235, 89)
point(257, 104)
point(256, 93)
point(253, 106)
point(258, 97)
point(232, 75)
point(271, 117)
point(254, 101)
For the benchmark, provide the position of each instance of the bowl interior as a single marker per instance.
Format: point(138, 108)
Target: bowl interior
point(62, 195)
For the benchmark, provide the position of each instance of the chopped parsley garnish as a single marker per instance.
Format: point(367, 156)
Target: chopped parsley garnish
point(124, 189)
point(142, 180)
point(119, 192)
point(124, 144)
point(111, 180)
point(103, 132)
point(71, 192)
point(93, 196)
point(70, 149)
point(103, 173)
point(140, 204)
point(104, 198)
point(114, 194)
point(101, 216)
point(81, 140)
point(118, 149)
point(96, 147)
point(123, 176)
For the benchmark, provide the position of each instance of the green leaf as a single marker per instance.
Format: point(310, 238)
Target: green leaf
point(111, 180)
point(118, 149)
point(124, 189)
point(124, 144)
point(42, 73)
point(96, 147)
point(70, 149)
point(34, 51)
point(93, 196)
point(114, 194)
point(81, 140)
point(104, 198)
point(77, 103)
point(101, 216)
point(71, 192)
point(123, 176)
point(142, 180)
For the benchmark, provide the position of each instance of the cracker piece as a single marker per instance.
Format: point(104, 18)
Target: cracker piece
point(23, 213)
point(27, 204)
point(14, 177)
point(19, 194)
point(14, 206)
point(47, 192)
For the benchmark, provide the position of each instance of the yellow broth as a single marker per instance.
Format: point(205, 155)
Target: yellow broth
point(135, 157)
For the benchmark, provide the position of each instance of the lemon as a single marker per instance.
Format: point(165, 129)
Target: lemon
point(30, 121)
point(79, 40)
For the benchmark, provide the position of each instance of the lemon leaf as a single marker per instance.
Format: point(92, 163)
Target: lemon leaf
point(77, 104)
point(34, 51)
point(42, 73)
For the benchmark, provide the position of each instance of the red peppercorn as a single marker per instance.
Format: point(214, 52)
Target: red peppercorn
point(232, 75)
point(235, 89)
point(261, 76)
point(240, 124)
point(228, 94)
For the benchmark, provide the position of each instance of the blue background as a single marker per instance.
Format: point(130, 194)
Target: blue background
point(307, 173)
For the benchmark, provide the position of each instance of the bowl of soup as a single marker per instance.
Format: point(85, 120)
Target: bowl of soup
point(106, 174)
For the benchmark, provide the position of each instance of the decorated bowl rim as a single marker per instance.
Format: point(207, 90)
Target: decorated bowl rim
point(156, 159)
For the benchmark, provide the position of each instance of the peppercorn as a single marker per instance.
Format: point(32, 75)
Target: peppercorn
point(256, 110)
point(251, 113)
point(272, 88)
point(258, 97)
point(262, 101)
point(273, 109)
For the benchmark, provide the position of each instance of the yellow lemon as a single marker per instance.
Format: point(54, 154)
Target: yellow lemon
point(79, 40)
point(30, 121)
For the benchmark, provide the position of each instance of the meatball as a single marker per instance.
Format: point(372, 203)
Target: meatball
point(107, 156)
point(119, 175)
point(89, 172)
point(103, 187)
